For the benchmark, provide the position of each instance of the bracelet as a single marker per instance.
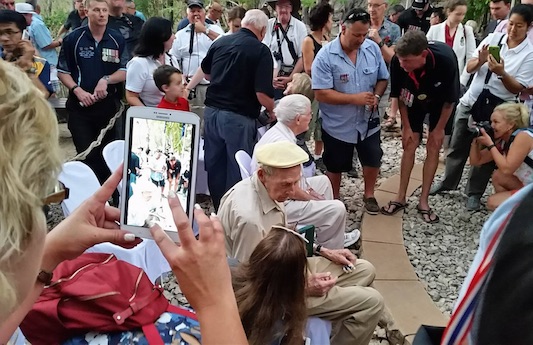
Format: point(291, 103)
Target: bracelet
point(378, 97)
point(74, 88)
point(45, 278)
point(490, 147)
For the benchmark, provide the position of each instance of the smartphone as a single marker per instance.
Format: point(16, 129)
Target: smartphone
point(25, 35)
point(495, 52)
point(162, 134)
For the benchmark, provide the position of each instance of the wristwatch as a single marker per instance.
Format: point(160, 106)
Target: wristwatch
point(378, 97)
point(106, 78)
point(207, 31)
point(381, 43)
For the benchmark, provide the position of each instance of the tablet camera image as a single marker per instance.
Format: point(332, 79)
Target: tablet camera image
point(159, 164)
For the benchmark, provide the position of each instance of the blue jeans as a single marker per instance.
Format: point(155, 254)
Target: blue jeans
point(225, 133)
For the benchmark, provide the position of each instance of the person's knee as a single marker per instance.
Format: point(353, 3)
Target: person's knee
point(366, 269)
point(376, 302)
point(497, 178)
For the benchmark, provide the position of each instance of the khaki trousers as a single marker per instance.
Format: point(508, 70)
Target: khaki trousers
point(328, 216)
point(351, 301)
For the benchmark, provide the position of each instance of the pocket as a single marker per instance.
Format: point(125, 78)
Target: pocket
point(370, 74)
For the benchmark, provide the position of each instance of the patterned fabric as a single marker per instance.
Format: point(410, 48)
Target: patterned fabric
point(389, 33)
point(173, 329)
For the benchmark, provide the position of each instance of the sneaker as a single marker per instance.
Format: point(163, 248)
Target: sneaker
point(473, 203)
point(351, 237)
point(320, 164)
point(353, 173)
point(371, 206)
point(437, 188)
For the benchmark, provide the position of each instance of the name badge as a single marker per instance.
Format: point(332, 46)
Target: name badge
point(344, 78)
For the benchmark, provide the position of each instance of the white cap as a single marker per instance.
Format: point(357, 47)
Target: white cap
point(24, 8)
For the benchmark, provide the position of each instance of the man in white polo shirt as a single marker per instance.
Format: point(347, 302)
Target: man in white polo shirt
point(284, 36)
point(190, 56)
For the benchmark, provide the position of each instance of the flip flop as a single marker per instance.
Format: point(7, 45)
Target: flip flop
point(428, 213)
point(398, 206)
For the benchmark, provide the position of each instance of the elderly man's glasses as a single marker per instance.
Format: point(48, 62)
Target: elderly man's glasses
point(8, 32)
point(59, 194)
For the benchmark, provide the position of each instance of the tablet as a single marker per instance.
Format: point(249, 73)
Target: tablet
point(160, 157)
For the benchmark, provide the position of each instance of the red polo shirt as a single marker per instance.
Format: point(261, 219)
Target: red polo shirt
point(181, 104)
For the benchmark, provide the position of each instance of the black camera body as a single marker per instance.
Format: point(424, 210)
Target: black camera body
point(476, 129)
point(277, 56)
point(192, 93)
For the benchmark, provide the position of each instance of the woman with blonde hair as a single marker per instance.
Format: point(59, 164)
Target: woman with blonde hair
point(510, 147)
point(270, 289)
point(29, 165)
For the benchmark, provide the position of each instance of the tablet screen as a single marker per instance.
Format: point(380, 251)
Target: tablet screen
point(159, 163)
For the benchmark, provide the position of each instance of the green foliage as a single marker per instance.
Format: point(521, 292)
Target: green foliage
point(308, 3)
point(173, 131)
point(477, 10)
point(54, 20)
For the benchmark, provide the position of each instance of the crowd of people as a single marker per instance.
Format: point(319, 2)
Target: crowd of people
point(468, 93)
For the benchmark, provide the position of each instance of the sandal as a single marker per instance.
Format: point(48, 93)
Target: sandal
point(426, 215)
point(390, 122)
point(397, 207)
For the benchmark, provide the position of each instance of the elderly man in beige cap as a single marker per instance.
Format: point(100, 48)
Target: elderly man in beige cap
point(312, 201)
point(250, 209)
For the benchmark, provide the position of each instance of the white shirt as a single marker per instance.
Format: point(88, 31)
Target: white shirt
point(140, 78)
point(296, 33)
point(464, 42)
point(279, 132)
point(518, 63)
point(180, 49)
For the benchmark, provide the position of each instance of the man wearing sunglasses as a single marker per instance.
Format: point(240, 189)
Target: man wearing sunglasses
point(349, 79)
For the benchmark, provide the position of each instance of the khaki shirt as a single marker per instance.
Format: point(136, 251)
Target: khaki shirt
point(247, 214)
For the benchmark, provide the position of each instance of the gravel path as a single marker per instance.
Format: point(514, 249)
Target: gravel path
point(442, 253)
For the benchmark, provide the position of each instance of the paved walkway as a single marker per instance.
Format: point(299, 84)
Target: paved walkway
point(405, 295)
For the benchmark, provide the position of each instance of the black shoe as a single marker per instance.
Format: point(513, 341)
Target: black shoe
point(319, 163)
point(353, 173)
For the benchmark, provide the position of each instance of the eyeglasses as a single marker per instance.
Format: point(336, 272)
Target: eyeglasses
point(59, 194)
point(217, 11)
point(8, 32)
point(374, 6)
point(355, 16)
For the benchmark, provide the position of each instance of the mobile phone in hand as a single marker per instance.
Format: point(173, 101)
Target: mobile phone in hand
point(495, 52)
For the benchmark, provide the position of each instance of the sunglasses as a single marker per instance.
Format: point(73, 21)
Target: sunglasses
point(292, 231)
point(355, 16)
point(59, 194)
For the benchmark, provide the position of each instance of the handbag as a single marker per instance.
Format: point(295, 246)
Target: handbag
point(486, 102)
point(97, 293)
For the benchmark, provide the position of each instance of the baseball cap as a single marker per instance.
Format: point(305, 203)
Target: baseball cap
point(24, 8)
point(419, 4)
point(192, 3)
point(281, 154)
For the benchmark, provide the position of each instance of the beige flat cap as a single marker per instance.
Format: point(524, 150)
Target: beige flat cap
point(281, 154)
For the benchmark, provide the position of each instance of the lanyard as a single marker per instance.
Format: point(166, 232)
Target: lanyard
point(413, 76)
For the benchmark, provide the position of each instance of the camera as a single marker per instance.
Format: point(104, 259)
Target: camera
point(192, 93)
point(476, 128)
point(277, 56)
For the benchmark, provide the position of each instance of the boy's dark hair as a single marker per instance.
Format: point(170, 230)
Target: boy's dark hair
point(396, 9)
point(413, 42)
point(162, 75)
point(10, 16)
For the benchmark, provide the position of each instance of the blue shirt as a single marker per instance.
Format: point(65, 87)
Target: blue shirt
point(87, 61)
point(41, 37)
point(140, 15)
point(333, 69)
point(389, 32)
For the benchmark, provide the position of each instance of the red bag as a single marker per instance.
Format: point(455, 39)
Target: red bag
point(95, 292)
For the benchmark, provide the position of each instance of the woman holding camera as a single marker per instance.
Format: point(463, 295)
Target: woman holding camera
point(511, 150)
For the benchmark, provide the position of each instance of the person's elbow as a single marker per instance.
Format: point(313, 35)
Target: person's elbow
point(321, 95)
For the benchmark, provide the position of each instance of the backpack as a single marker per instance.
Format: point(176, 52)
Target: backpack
point(528, 159)
point(97, 293)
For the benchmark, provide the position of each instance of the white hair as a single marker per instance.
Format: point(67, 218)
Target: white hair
point(255, 18)
point(291, 106)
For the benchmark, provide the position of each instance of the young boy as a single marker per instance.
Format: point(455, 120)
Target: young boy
point(168, 80)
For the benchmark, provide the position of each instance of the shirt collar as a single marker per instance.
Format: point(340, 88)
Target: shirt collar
point(519, 47)
point(286, 130)
point(267, 204)
point(336, 47)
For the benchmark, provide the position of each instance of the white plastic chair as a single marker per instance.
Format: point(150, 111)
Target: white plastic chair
point(82, 184)
point(245, 162)
point(114, 156)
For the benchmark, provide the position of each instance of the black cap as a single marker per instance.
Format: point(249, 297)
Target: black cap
point(419, 4)
point(192, 3)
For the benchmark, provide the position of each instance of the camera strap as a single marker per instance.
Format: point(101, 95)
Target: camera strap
point(489, 73)
point(278, 27)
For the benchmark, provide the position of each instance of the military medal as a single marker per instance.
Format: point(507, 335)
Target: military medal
point(422, 96)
